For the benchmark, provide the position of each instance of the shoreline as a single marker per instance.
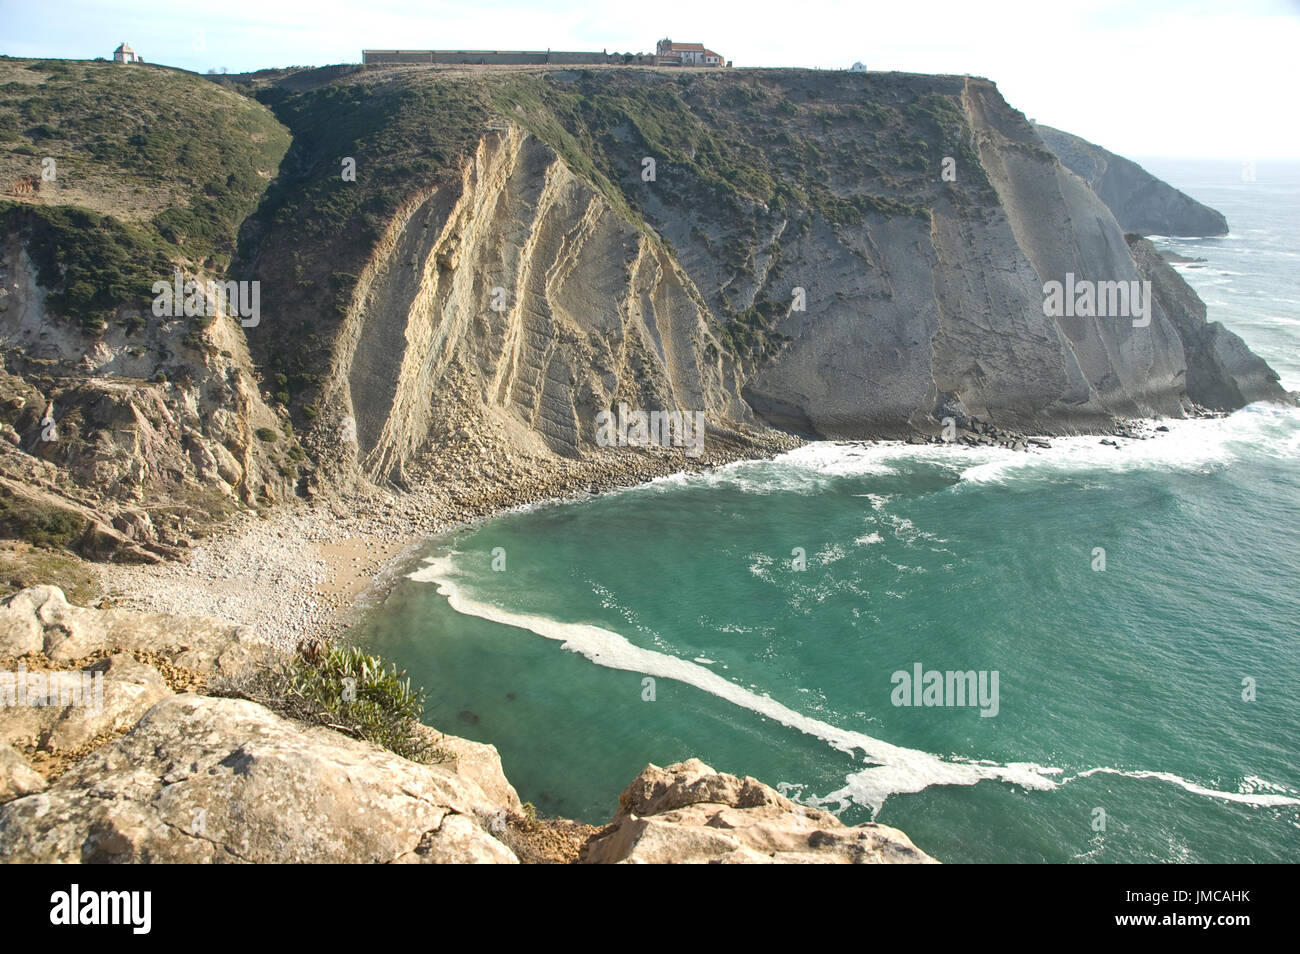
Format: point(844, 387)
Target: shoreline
point(305, 571)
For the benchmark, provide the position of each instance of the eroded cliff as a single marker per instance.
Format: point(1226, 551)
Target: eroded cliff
point(461, 269)
point(1140, 202)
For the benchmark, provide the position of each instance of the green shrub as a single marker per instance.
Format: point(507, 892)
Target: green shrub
point(266, 434)
point(39, 526)
point(352, 692)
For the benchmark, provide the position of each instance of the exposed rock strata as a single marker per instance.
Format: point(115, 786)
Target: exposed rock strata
point(500, 304)
point(1140, 202)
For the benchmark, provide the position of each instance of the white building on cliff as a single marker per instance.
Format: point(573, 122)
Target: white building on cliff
point(124, 54)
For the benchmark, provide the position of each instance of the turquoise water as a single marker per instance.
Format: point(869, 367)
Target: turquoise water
point(671, 621)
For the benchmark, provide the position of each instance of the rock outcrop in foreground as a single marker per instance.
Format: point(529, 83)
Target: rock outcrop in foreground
point(215, 780)
point(157, 771)
point(690, 814)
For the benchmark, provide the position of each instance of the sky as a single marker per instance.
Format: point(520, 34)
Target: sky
point(1171, 78)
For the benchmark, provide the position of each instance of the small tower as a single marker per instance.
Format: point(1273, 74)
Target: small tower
point(124, 54)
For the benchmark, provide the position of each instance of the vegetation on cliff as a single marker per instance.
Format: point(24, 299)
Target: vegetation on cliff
point(746, 151)
point(132, 171)
point(350, 691)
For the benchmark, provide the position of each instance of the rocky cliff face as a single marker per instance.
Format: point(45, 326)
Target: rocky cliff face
point(819, 271)
point(125, 430)
point(690, 814)
point(525, 305)
point(1140, 202)
point(130, 434)
point(839, 255)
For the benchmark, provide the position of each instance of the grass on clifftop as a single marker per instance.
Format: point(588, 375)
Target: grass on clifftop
point(842, 146)
point(151, 167)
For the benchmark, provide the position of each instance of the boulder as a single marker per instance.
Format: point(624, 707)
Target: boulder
point(118, 691)
point(39, 619)
point(689, 814)
point(202, 779)
point(17, 778)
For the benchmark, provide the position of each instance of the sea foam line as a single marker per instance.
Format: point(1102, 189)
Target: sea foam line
point(894, 769)
point(1258, 799)
point(1190, 444)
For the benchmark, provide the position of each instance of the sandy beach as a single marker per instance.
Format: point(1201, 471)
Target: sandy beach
point(298, 571)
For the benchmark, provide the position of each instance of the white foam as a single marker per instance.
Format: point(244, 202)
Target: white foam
point(1258, 799)
point(1189, 445)
point(830, 554)
point(893, 769)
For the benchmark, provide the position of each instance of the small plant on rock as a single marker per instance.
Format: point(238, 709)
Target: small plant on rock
point(350, 691)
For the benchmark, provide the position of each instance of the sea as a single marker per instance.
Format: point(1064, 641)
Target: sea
point(1075, 655)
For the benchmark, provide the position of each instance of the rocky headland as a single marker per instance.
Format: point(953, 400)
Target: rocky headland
point(795, 255)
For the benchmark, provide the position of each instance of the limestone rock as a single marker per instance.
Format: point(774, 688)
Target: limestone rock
point(39, 619)
point(201, 779)
point(17, 778)
point(127, 689)
point(480, 763)
point(689, 814)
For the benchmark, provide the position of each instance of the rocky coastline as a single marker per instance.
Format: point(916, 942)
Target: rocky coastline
point(170, 766)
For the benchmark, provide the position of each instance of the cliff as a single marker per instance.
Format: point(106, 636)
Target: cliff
point(160, 771)
point(1140, 202)
point(460, 269)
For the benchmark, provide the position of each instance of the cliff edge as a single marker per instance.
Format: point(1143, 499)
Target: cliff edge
point(149, 767)
point(1140, 202)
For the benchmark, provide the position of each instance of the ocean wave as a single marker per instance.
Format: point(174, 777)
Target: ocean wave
point(1189, 445)
point(891, 769)
point(1193, 444)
